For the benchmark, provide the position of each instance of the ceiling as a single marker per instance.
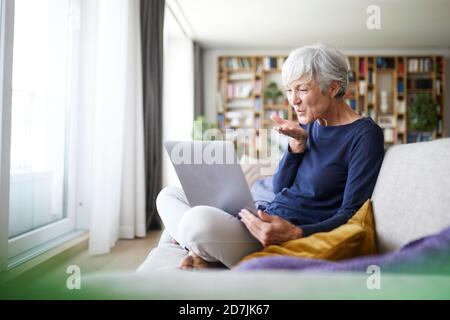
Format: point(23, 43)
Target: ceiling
point(289, 23)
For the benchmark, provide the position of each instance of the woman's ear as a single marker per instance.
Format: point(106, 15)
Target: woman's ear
point(333, 89)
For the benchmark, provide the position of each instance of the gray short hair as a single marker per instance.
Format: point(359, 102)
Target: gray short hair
point(318, 62)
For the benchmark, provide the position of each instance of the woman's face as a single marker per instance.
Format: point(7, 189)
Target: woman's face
point(307, 100)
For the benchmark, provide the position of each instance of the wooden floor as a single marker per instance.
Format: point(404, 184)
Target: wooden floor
point(126, 255)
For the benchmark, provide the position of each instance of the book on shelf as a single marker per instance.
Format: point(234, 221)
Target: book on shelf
point(419, 136)
point(370, 77)
point(438, 87)
point(385, 63)
point(370, 97)
point(401, 125)
point(387, 121)
point(362, 87)
point(270, 63)
point(258, 87)
point(239, 90)
point(259, 69)
point(400, 87)
point(400, 68)
point(389, 135)
point(362, 68)
point(258, 104)
point(401, 106)
point(257, 122)
point(238, 63)
point(220, 121)
point(420, 65)
point(361, 102)
point(439, 126)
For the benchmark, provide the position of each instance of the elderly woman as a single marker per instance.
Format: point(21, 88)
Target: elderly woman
point(328, 171)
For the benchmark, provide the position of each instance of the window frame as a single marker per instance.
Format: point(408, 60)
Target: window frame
point(6, 57)
point(24, 243)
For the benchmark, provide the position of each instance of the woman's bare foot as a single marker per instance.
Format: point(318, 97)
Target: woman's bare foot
point(192, 261)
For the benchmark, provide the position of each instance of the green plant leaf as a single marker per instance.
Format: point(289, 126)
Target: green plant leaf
point(272, 91)
point(422, 113)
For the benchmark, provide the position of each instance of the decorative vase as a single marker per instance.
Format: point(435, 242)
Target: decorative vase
point(235, 118)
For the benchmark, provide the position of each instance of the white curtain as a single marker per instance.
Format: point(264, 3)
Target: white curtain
point(112, 123)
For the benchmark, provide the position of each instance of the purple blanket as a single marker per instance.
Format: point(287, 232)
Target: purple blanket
point(429, 255)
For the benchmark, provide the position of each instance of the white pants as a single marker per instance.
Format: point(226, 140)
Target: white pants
point(209, 232)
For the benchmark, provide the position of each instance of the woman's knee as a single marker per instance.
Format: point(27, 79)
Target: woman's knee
point(166, 194)
point(199, 224)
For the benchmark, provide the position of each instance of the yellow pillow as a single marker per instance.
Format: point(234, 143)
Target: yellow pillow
point(355, 238)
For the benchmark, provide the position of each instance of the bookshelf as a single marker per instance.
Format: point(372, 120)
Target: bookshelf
point(241, 83)
point(380, 87)
point(241, 101)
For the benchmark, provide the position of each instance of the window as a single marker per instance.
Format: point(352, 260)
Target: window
point(178, 75)
point(6, 27)
point(43, 118)
point(41, 69)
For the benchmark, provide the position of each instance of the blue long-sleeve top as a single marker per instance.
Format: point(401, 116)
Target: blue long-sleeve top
point(321, 188)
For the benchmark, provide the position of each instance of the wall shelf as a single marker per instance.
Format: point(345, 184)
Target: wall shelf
point(401, 77)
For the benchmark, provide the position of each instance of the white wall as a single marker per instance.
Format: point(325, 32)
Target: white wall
point(210, 71)
point(178, 95)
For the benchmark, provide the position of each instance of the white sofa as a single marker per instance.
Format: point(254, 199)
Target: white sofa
point(411, 200)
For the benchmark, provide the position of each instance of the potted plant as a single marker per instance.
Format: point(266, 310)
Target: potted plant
point(422, 117)
point(272, 93)
point(199, 127)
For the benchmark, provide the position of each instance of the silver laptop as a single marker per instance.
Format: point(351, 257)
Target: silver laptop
point(211, 175)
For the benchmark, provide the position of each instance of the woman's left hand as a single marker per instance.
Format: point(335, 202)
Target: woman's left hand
point(269, 229)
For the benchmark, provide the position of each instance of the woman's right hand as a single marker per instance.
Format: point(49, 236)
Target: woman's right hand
point(291, 129)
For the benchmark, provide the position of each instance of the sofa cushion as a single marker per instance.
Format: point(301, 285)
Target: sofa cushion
point(411, 198)
point(355, 238)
